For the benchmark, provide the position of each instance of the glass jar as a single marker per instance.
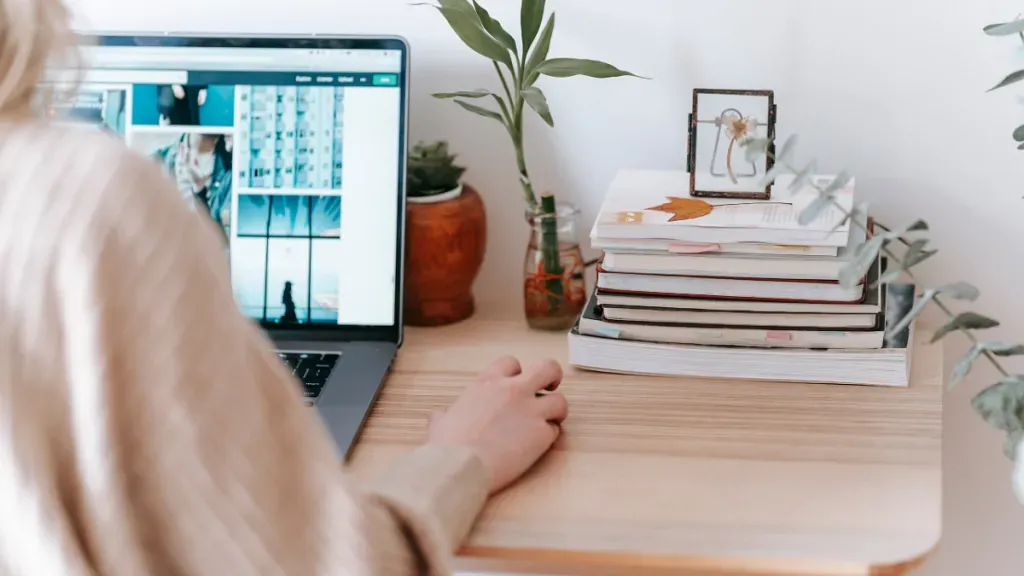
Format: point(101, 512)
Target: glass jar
point(554, 285)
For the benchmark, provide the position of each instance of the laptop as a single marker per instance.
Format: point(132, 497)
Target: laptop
point(296, 148)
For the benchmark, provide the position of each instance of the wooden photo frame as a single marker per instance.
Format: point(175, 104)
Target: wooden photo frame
point(719, 122)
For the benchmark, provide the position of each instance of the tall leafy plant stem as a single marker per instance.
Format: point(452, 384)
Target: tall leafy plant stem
point(937, 300)
point(513, 120)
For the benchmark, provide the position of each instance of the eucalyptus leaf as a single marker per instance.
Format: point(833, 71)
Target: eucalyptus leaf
point(1001, 404)
point(468, 28)
point(960, 291)
point(965, 321)
point(916, 311)
point(568, 67)
point(964, 365)
point(917, 226)
point(788, 149)
point(1011, 78)
point(838, 183)
point(866, 255)
point(1020, 146)
point(804, 176)
point(1011, 443)
point(536, 99)
point(1005, 28)
point(481, 111)
point(1018, 134)
point(495, 29)
point(814, 209)
point(1003, 348)
point(463, 94)
point(771, 175)
point(755, 148)
point(859, 213)
point(540, 52)
point(917, 253)
point(530, 18)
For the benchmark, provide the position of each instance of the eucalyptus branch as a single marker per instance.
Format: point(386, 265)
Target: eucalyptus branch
point(823, 192)
point(1002, 404)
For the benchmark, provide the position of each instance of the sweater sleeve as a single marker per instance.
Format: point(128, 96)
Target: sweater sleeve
point(189, 448)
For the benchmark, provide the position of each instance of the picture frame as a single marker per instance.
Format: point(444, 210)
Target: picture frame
point(719, 122)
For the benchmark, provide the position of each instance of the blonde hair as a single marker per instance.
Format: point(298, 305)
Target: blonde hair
point(34, 34)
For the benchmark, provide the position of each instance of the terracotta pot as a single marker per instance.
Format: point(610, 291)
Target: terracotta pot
point(445, 245)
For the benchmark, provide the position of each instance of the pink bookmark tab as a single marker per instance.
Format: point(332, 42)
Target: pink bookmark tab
point(781, 336)
point(684, 248)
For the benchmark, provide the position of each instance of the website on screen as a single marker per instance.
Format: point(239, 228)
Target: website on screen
point(295, 154)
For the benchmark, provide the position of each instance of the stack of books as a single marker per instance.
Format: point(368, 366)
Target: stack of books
point(737, 288)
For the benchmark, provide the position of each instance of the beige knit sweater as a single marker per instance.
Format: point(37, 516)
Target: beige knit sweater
point(146, 427)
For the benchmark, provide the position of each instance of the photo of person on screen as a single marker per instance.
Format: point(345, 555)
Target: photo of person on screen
point(201, 166)
point(179, 105)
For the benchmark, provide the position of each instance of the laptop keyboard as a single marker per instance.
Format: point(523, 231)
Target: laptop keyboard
point(312, 369)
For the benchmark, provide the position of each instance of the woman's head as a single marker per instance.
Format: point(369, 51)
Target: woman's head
point(33, 34)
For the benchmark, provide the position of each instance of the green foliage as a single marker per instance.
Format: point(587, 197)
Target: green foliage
point(432, 170)
point(1001, 405)
point(518, 68)
point(1013, 27)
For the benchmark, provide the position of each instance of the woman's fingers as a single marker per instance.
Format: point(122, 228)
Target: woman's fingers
point(553, 407)
point(544, 376)
point(504, 367)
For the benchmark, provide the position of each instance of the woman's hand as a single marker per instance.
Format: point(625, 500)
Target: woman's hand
point(504, 419)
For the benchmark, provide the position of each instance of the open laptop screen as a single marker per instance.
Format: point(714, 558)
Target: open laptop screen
point(295, 152)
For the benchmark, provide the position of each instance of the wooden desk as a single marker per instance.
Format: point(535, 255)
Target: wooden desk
point(687, 476)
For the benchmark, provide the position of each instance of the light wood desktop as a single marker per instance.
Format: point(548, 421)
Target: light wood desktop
point(688, 476)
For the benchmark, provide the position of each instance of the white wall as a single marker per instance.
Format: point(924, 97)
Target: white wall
point(893, 91)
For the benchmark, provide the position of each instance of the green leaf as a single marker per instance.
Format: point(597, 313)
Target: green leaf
point(495, 29)
point(916, 311)
point(917, 253)
point(540, 52)
point(866, 255)
point(481, 111)
point(536, 99)
point(771, 175)
point(804, 176)
point(787, 150)
point(1020, 147)
point(531, 16)
point(568, 67)
point(1012, 78)
point(468, 28)
point(1004, 28)
point(755, 148)
point(463, 94)
point(964, 365)
point(814, 209)
point(838, 183)
point(960, 291)
point(859, 212)
point(918, 226)
point(965, 321)
point(1000, 405)
point(1018, 134)
point(1003, 349)
point(502, 105)
point(1010, 444)
point(460, 5)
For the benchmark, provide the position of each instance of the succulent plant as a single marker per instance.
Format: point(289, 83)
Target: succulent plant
point(432, 170)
